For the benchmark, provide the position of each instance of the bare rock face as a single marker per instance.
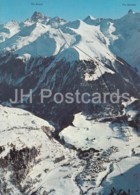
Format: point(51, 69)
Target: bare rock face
point(130, 11)
point(38, 16)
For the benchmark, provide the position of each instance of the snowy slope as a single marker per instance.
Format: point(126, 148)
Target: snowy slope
point(127, 46)
point(23, 134)
point(91, 38)
point(37, 40)
point(92, 157)
point(117, 164)
point(43, 36)
point(8, 30)
point(122, 34)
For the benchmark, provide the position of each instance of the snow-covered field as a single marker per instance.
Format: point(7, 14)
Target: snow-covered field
point(116, 144)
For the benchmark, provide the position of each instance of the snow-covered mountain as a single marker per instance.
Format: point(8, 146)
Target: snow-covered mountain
point(99, 38)
point(8, 30)
point(91, 157)
point(32, 51)
point(41, 36)
point(122, 34)
point(31, 161)
point(83, 148)
point(111, 150)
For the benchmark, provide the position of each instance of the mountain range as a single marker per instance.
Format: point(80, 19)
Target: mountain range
point(70, 148)
point(42, 36)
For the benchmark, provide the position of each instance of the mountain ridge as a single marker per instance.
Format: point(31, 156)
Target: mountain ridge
point(110, 38)
point(79, 148)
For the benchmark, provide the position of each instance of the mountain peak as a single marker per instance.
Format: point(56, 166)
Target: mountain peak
point(131, 11)
point(38, 16)
point(89, 18)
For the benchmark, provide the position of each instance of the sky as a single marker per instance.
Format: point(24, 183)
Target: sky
point(68, 9)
